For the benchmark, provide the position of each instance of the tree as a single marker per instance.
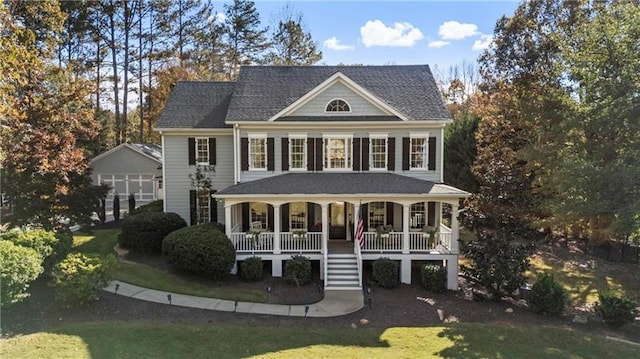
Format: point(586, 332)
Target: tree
point(244, 40)
point(460, 153)
point(291, 44)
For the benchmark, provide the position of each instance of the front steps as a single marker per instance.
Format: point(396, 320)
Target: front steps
point(342, 272)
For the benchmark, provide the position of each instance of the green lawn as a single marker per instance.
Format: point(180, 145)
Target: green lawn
point(126, 340)
point(103, 241)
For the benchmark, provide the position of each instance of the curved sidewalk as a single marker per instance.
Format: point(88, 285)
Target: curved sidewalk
point(335, 302)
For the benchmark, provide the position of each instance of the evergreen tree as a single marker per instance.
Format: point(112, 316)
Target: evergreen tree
point(292, 45)
point(244, 39)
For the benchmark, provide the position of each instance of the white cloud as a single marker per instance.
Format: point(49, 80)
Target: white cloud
point(453, 30)
point(334, 44)
point(482, 43)
point(220, 17)
point(438, 44)
point(376, 33)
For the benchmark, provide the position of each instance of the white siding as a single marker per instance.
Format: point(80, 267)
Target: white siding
point(177, 170)
point(359, 106)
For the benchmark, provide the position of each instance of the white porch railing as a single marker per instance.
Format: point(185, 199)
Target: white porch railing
point(310, 242)
point(244, 243)
point(391, 243)
point(422, 242)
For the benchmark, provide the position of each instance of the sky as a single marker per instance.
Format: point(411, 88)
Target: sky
point(437, 33)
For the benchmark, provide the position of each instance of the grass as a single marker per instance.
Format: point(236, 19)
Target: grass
point(128, 340)
point(103, 241)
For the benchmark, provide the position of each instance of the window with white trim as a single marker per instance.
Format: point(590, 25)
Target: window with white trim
point(378, 152)
point(203, 206)
point(259, 213)
point(338, 105)
point(298, 152)
point(258, 152)
point(298, 216)
point(419, 152)
point(337, 153)
point(377, 214)
point(417, 216)
point(202, 150)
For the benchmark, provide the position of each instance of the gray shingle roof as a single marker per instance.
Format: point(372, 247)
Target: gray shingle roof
point(340, 183)
point(263, 91)
point(197, 104)
point(149, 149)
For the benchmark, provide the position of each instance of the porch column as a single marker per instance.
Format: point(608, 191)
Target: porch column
point(227, 219)
point(325, 227)
point(455, 227)
point(405, 228)
point(438, 214)
point(276, 229)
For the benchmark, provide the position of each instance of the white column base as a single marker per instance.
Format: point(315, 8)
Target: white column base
point(276, 268)
point(405, 271)
point(452, 274)
point(321, 269)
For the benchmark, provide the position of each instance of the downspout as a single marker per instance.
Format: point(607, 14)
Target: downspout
point(442, 155)
point(164, 174)
point(236, 176)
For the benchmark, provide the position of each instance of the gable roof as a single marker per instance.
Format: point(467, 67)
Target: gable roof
point(149, 150)
point(263, 91)
point(197, 104)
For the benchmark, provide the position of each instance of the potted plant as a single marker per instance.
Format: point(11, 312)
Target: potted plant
point(301, 234)
point(253, 235)
point(431, 233)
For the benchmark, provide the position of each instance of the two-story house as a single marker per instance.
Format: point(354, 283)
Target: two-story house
point(297, 150)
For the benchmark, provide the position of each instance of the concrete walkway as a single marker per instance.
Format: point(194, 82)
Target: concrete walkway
point(335, 302)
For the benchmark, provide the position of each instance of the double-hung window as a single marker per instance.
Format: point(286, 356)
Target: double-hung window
point(337, 152)
point(419, 151)
point(298, 216)
point(203, 209)
point(202, 151)
point(377, 212)
point(297, 152)
point(378, 151)
point(417, 216)
point(257, 152)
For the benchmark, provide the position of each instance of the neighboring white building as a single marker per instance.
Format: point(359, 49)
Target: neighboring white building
point(130, 168)
point(297, 150)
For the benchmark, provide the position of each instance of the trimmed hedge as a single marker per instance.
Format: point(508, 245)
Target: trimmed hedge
point(200, 249)
point(155, 206)
point(297, 270)
point(52, 247)
point(386, 273)
point(19, 266)
point(434, 278)
point(144, 232)
point(548, 296)
point(615, 310)
point(79, 278)
point(251, 269)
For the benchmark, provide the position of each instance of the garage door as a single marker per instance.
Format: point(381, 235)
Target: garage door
point(140, 184)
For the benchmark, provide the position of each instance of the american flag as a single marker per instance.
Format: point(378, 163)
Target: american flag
point(360, 227)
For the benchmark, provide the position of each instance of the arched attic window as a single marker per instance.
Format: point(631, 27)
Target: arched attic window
point(337, 105)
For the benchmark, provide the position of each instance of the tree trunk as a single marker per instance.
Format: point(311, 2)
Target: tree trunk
point(114, 66)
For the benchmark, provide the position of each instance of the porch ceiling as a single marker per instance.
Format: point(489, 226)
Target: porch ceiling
point(366, 183)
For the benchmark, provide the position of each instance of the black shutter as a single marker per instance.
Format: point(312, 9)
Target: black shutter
point(311, 225)
point(310, 156)
point(284, 142)
point(432, 153)
point(431, 216)
point(390, 213)
point(213, 208)
point(193, 207)
point(212, 151)
point(406, 143)
point(270, 156)
point(356, 154)
point(244, 153)
point(284, 216)
point(365, 216)
point(318, 153)
point(246, 216)
point(365, 154)
point(391, 154)
point(192, 150)
point(270, 217)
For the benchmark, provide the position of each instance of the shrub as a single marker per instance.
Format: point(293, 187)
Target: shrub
point(144, 232)
point(251, 269)
point(132, 202)
point(297, 270)
point(615, 310)
point(155, 206)
point(52, 247)
point(79, 278)
point(434, 278)
point(19, 266)
point(102, 211)
point(200, 249)
point(116, 207)
point(219, 226)
point(548, 296)
point(386, 272)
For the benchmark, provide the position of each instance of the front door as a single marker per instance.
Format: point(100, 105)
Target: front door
point(337, 216)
